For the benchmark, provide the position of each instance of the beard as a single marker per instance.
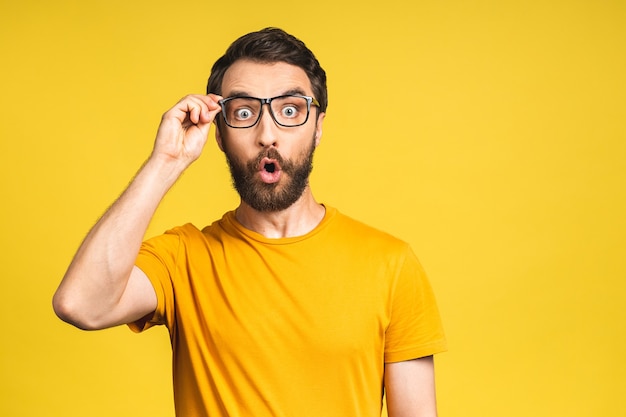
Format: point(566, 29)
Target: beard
point(277, 196)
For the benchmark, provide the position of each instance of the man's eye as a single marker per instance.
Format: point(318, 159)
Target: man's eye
point(243, 114)
point(290, 111)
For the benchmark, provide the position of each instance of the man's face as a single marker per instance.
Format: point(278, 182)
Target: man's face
point(269, 164)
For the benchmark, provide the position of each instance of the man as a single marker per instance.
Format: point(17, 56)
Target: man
point(284, 307)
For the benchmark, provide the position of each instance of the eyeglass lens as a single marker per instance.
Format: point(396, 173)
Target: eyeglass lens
point(246, 111)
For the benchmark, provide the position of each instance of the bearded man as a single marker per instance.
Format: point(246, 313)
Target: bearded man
point(284, 306)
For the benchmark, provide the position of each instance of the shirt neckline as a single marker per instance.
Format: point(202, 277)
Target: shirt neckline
point(231, 220)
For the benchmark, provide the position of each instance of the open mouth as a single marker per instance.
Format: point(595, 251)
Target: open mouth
point(270, 171)
point(270, 167)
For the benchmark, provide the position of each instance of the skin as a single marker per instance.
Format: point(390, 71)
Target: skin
point(102, 288)
point(410, 388)
point(260, 80)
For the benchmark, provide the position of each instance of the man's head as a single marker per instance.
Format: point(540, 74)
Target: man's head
point(267, 46)
point(267, 132)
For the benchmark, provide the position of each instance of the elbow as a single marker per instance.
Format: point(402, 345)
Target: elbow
point(70, 312)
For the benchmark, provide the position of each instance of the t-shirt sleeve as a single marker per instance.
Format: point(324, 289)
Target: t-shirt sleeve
point(415, 328)
point(157, 259)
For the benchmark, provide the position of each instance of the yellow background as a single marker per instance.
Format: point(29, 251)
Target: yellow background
point(489, 134)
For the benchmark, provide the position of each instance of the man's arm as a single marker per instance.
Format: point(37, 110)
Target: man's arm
point(102, 287)
point(410, 388)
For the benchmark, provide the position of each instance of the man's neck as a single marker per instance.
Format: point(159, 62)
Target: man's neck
point(297, 220)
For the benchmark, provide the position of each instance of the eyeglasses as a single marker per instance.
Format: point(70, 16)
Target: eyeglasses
point(289, 110)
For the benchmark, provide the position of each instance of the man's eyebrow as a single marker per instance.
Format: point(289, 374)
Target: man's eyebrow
point(291, 91)
point(296, 91)
point(239, 93)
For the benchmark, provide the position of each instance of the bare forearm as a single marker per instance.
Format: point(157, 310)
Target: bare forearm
point(99, 273)
point(100, 287)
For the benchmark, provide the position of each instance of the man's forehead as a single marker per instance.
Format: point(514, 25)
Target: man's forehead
point(262, 79)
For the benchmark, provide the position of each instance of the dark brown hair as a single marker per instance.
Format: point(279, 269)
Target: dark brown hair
point(271, 45)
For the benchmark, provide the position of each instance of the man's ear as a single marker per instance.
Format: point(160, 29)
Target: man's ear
point(218, 135)
point(318, 128)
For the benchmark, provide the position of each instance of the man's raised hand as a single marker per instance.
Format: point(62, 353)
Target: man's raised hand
point(185, 127)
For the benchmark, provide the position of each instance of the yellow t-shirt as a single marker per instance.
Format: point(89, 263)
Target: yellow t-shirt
point(291, 327)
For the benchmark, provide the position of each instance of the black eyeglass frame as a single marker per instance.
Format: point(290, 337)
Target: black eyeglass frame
point(309, 101)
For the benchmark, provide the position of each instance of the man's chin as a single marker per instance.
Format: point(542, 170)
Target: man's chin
point(271, 196)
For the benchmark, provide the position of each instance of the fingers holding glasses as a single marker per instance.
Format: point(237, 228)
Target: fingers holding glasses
point(197, 109)
point(185, 127)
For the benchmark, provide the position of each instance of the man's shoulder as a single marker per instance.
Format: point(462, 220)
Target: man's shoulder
point(190, 230)
point(363, 232)
point(184, 230)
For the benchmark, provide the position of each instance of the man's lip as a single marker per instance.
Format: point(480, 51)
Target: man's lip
point(265, 161)
point(267, 176)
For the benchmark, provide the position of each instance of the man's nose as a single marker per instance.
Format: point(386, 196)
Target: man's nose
point(267, 128)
